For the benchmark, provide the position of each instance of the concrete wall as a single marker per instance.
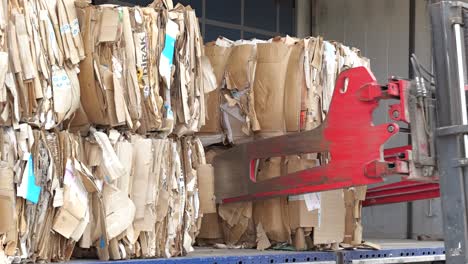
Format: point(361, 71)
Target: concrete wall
point(380, 28)
point(427, 215)
point(303, 18)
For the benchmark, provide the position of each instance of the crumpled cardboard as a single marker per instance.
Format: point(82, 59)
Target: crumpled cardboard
point(238, 225)
point(300, 215)
point(235, 122)
point(268, 86)
point(7, 200)
point(240, 67)
point(313, 68)
point(272, 213)
point(353, 203)
point(209, 78)
point(124, 151)
point(218, 57)
point(232, 105)
point(188, 91)
point(48, 156)
point(120, 210)
point(240, 74)
point(43, 47)
point(142, 186)
point(205, 174)
point(331, 227)
point(262, 239)
point(112, 166)
point(295, 87)
point(125, 79)
point(210, 229)
point(73, 215)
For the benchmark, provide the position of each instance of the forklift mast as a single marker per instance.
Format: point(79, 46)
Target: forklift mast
point(433, 164)
point(450, 61)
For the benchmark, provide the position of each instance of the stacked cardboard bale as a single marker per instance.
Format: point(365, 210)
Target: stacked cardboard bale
point(271, 88)
point(130, 81)
point(39, 55)
point(124, 194)
point(133, 78)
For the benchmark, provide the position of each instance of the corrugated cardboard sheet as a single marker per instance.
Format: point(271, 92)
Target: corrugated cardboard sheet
point(206, 186)
point(270, 76)
point(272, 213)
point(237, 223)
point(218, 57)
point(234, 73)
point(295, 87)
point(353, 202)
point(299, 214)
point(332, 218)
point(210, 228)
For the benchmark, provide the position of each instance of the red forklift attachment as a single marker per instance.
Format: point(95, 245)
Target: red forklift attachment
point(404, 191)
point(348, 134)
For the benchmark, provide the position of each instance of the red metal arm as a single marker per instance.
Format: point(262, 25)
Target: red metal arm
point(404, 191)
point(348, 135)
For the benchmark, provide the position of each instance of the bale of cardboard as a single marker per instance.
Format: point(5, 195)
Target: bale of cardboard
point(122, 194)
point(142, 69)
point(267, 88)
point(98, 107)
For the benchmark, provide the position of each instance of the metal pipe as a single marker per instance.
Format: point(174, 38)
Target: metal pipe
point(461, 80)
point(412, 49)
